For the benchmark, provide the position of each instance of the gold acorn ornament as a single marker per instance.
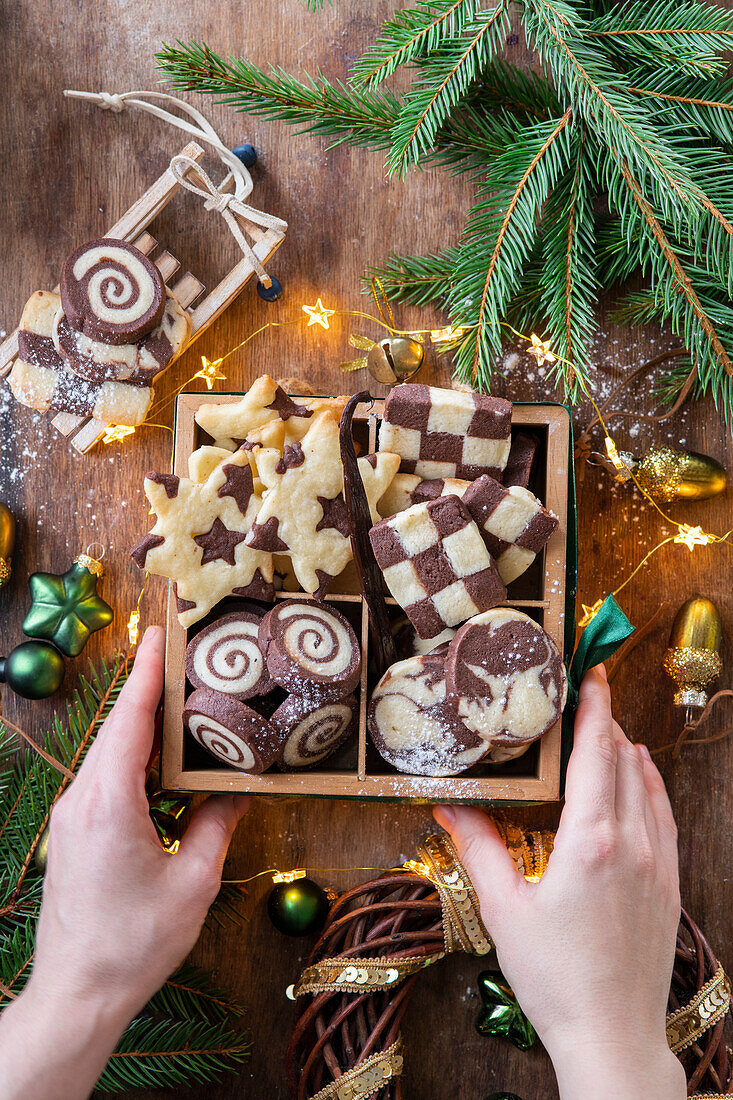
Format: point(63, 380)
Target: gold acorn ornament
point(7, 543)
point(693, 657)
point(669, 474)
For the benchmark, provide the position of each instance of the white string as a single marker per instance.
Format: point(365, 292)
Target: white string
point(220, 199)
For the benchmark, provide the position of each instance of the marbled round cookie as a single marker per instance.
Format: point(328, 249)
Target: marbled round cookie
point(414, 725)
point(138, 363)
point(312, 732)
point(507, 680)
point(231, 731)
point(311, 650)
point(111, 292)
point(226, 656)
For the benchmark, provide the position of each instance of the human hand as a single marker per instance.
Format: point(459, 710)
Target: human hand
point(119, 913)
point(589, 950)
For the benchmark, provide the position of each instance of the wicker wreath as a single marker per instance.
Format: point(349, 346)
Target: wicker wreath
point(360, 976)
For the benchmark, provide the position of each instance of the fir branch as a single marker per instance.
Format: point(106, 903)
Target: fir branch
point(316, 105)
point(701, 107)
point(419, 280)
point(502, 227)
point(161, 1053)
point(444, 81)
point(190, 992)
point(413, 33)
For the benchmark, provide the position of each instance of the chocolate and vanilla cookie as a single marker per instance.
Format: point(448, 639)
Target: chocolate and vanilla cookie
point(507, 680)
point(522, 457)
point(226, 656)
point(231, 731)
point(408, 489)
point(138, 363)
point(415, 727)
point(311, 650)
point(111, 292)
point(436, 565)
point(445, 433)
point(513, 523)
point(311, 732)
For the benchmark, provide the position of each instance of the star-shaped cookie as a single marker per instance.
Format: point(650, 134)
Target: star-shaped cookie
point(266, 404)
point(303, 514)
point(198, 540)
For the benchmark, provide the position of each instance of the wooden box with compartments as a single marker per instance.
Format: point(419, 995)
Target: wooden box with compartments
point(545, 592)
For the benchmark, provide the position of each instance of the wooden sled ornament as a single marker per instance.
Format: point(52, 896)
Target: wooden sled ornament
point(84, 431)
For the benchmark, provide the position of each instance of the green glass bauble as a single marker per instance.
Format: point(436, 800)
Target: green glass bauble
point(501, 1014)
point(40, 856)
point(34, 670)
point(66, 609)
point(298, 908)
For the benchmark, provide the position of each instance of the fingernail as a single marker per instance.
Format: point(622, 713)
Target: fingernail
point(601, 670)
point(445, 816)
point(645, 752)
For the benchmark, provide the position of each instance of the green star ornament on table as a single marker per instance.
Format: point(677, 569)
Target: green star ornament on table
point(66, 609)
point(501, 1014)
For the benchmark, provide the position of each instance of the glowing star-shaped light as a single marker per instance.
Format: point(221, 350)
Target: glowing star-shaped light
point(115, 433)
point(589, 613)
point(210, 371)
point(540, 350)
point(133, 628)
point(318, 314)
point(692, 537)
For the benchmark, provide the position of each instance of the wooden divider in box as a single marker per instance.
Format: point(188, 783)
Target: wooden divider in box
point(540, 593)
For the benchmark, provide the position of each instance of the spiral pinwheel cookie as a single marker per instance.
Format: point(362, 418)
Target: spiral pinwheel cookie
point(111, 292)
point(311, 650)
point(41, 379)
point(507, 679)
point(312, 732)
point(137, 363)
point(413, 724)
point(266, 404)
point(226, 657)
point(446, 433)
point(514, 524)
point(231, 731)
point(198, 539)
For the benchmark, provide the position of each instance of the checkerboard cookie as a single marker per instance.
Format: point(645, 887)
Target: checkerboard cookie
point(409, 489)
point(436, 565)
point(413, 724)
point(41, 380)
point(513, 522)
point(303, 513)
point(231, 731)
point(507, 680)
point(266, 404)
point(445, 433)
point(198, 539)
point(522, 457)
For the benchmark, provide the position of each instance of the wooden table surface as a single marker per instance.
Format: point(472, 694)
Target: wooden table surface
point(69, 171)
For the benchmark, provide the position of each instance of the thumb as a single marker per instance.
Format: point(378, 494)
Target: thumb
point(485, 857)
point(206, 841)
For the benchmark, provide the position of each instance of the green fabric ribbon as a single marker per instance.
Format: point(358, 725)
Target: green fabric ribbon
point(600, 639)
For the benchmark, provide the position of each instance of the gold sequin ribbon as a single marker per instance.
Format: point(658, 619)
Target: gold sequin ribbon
point(366, 1079)
point(359, 975)
point(463, 928)
point(690, 1021)
point(529, 848)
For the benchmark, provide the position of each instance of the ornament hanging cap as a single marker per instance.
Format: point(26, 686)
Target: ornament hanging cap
point(92, 564)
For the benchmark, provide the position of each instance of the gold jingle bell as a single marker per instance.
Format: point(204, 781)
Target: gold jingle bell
point(671, 474)
point(395, 359)
point(693, 658)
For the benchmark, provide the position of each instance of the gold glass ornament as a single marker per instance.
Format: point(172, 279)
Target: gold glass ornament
point(40, 856)
point(395, 359)
point(7, 542)
point(670, 474)
point(693, 657)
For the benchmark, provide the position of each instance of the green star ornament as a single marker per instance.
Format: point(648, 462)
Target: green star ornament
point(66, 609)
point(501, 1014)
